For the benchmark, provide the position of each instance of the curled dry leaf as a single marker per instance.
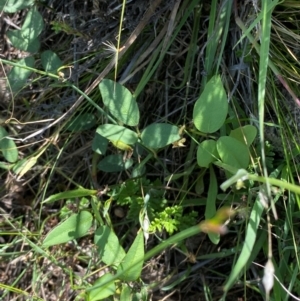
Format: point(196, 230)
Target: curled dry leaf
point(179, 143)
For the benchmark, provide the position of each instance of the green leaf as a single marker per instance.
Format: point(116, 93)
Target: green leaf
point(26, 38)
point(12, 6)
point(33, 24)
point(226, 167)
point(18, 41)
point(233, 152)
point(110, 250)
point(132, 264)
point(116, 133)
point(17, 77)
point(126, 293)
point(207, 153)
point(103, 288)
point(82, 122)
point(73, 227)
point(120, 102)
point(245, 134)
point(158, 135)
point(77, 193)
point(114, 163)
point(211, 108)
point(99, 144)
point(8, 146)
point(250, 238)
point(50, 61)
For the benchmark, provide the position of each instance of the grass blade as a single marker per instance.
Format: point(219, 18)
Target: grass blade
point(250, 238)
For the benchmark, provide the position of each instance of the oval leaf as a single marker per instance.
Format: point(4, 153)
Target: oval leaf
point(18, 41)
point(26, 38)
point(132, 264)
point(120, 102)
point(245, 134)
point(211, 108)
point(8, 146)
point(110, 250)
point(117, 133)
point(74, 227)
point(33, 24)
point(158, 135)
point(233, 152)
point(207, 153)
point(50, 61)
point(12, 6)
point(103, 288)
point(17, 77)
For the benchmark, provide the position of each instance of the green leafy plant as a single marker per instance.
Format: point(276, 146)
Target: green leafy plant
point(125, 266)
point(171, 219)
point(160, 215)
point(122, 105)
point(8, 147)
point(27, 39)
point(210, 112)
point(191, 157)
point(120, 102)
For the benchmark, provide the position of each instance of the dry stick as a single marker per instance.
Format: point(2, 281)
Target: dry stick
point(171, 25)
point(148, 14)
